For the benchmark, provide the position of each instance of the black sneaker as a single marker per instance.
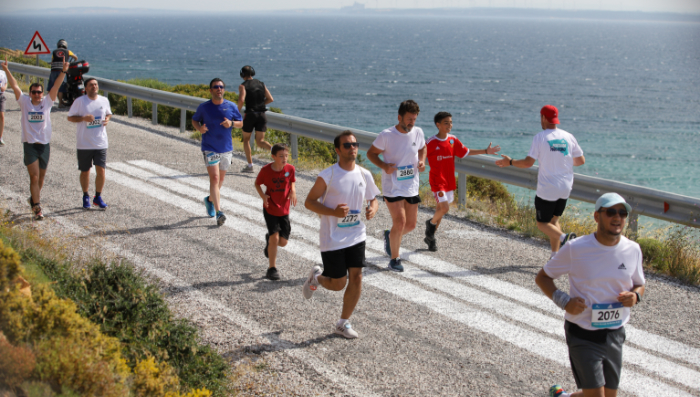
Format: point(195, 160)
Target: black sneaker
point(432, 244)
point(267, 244)
point(430, 230)
point(272, 274)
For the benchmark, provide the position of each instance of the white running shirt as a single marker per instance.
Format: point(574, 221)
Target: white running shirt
point(598, 273)
point(91, 135)
point(401, 150)
point(351, 188)
point(555, 151)
point(36, 120)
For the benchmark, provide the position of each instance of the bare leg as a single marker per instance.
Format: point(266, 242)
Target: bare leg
point(274, 241)
point(552, 230)
point(260, 141)
point(352, 292)
point(100, 175)
point(2, 123)
point(214, 184)
point(35, 181)
point(246, 146)
point(440, 210)
point(398, 221)
point(222, 174)
point(85, 180)
point(332, 284)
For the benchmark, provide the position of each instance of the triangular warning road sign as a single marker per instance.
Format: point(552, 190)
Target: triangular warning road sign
point(37, 46)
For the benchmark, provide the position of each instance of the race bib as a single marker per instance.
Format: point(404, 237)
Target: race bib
point(351, 219)
point(35, 117)
point(213, 159)
point(97, 123)
point(405, 172)
point(606, 315)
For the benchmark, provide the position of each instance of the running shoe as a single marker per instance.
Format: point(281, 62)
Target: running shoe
point(220, 218)
point(272, 274)
point(569, 237)
point(311, 284)
point(387, 244)
point(248, 169)
point(395, 265)
point(345, 330)
point(557, 391)
point(210, 207)
point(98, 202)
point(86, 202)
point(432, 244)
point(38, 213)
point(430, 230)
point(267, 244)
point(2, 143)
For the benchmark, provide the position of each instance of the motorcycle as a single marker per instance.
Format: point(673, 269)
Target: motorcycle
point(75, 85)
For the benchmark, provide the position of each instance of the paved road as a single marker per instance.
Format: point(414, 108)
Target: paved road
point(468, 320)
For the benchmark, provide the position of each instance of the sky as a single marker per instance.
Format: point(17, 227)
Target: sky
point(676, 6)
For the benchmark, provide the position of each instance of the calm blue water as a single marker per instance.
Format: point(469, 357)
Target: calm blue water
point(629, 91)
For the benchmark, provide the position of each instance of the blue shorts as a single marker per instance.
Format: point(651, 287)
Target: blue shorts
point(53, 77)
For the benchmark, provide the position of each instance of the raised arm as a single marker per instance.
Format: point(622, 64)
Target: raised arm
point(506, 161)
point(59, 80)
point(11, 80)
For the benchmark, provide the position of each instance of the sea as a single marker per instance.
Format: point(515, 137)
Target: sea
point(629, 90)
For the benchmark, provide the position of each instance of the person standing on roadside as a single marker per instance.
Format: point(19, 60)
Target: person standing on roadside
point(280, 191)
point(59, 55)
point(558, 153)
point(36, 133)
point(214, 120)
point(442, 150)
point(342, 189)
point(255, 95)
point(3, 87)
point(404, 152)
point(606, 279)
point(92, 113)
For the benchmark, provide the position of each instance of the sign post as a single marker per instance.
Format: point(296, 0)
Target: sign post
point(37, 46)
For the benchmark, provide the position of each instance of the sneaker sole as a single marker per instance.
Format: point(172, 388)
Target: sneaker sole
point(307, 283)
point(221, 221)
point(345, 336)
point(432, 247)
point(394, 270)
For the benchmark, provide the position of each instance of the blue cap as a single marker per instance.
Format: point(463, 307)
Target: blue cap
point(609, 200)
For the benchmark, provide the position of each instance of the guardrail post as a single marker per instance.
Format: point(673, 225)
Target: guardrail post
point(294, 143)
point(183, 120)
point(27, 79)
point(129, 107)
point(632, 224)
point(106, 94)
point(462, 188)
point(154, 115)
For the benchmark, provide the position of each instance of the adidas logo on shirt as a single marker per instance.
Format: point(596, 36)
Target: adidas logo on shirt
point(361, 184)
point(622, 267)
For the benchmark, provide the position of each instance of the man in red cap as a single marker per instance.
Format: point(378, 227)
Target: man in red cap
point(558, 153)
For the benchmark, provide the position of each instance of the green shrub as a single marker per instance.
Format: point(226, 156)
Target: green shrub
point(9, 266)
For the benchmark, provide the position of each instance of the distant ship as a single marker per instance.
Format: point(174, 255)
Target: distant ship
point(355, 7)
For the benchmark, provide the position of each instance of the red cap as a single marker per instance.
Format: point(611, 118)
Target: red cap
point(550, 113)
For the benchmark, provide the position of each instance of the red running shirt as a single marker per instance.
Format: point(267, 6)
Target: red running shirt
point(441, 154)
point(278, 185)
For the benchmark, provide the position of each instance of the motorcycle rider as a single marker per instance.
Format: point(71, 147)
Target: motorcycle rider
point(60, 54)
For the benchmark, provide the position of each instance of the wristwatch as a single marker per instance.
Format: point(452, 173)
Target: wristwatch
point(639, 297)
point(511, 161)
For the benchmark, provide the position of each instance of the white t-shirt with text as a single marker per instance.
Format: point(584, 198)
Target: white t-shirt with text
point(401, 150)
point(91, 135)
point(351, 188)
point(36, 120)
point(3, 79)
point(555, 151)
point(598, 273)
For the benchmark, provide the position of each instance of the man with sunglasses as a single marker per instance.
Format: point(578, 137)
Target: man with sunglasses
point(558, 153)
point(342, 189)
point(36, 132)
point(214, 120)
point(606, 279)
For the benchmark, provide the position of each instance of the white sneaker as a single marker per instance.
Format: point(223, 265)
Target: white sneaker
point(2, 143)
point(311, 284)
point(345, 330)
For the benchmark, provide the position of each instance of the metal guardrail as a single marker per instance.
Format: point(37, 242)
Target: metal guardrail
point(645, 201)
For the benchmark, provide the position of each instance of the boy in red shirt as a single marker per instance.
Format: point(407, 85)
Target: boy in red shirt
point(278, 178)
point(442, 148)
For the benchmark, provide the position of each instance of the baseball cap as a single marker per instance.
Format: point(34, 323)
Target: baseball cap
point(550, 113)
point(610, 199)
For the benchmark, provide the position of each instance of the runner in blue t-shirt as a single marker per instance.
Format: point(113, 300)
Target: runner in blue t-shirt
point(214, 119)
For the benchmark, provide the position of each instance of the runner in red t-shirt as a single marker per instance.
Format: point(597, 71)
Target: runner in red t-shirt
point(442, 149)
point(278, 178)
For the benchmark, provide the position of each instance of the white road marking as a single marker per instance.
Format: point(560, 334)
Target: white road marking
point(661, 366)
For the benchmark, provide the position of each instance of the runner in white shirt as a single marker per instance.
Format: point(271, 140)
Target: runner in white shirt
point(343, 189)
point(606, 278)
point(558, 153)
point(404, 152)
point(3, 87)
point(36, 133)
point(91, 112)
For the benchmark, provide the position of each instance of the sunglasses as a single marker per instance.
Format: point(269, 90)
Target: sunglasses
point(217, 87)
point(612, 212)
point(37, 92)
point(348, 145)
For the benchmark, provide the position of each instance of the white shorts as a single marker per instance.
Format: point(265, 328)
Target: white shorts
point(223, 160)
point(442, 196)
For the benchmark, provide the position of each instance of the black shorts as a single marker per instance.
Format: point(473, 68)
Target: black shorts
point(278, 224)
point(88, 157)
point(336, 263)
point(595, 356)
point(37, 151)
point(254, 121)
point(410, 200)
point(546, 210)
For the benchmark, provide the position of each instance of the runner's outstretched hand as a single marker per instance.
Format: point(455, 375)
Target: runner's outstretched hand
point(493, 150)
point(4, 65)
point(504, 162)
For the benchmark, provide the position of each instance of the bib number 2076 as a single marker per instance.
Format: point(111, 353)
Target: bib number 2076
point(606, 315)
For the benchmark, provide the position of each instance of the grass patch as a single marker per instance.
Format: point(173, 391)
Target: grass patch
point(675, 253)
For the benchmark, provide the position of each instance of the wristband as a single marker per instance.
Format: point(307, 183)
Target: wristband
point(561, 298)
point(639, 297)
point(511, 161)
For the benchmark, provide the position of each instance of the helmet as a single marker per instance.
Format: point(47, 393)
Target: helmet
point(247, 71)
point(62, 44)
